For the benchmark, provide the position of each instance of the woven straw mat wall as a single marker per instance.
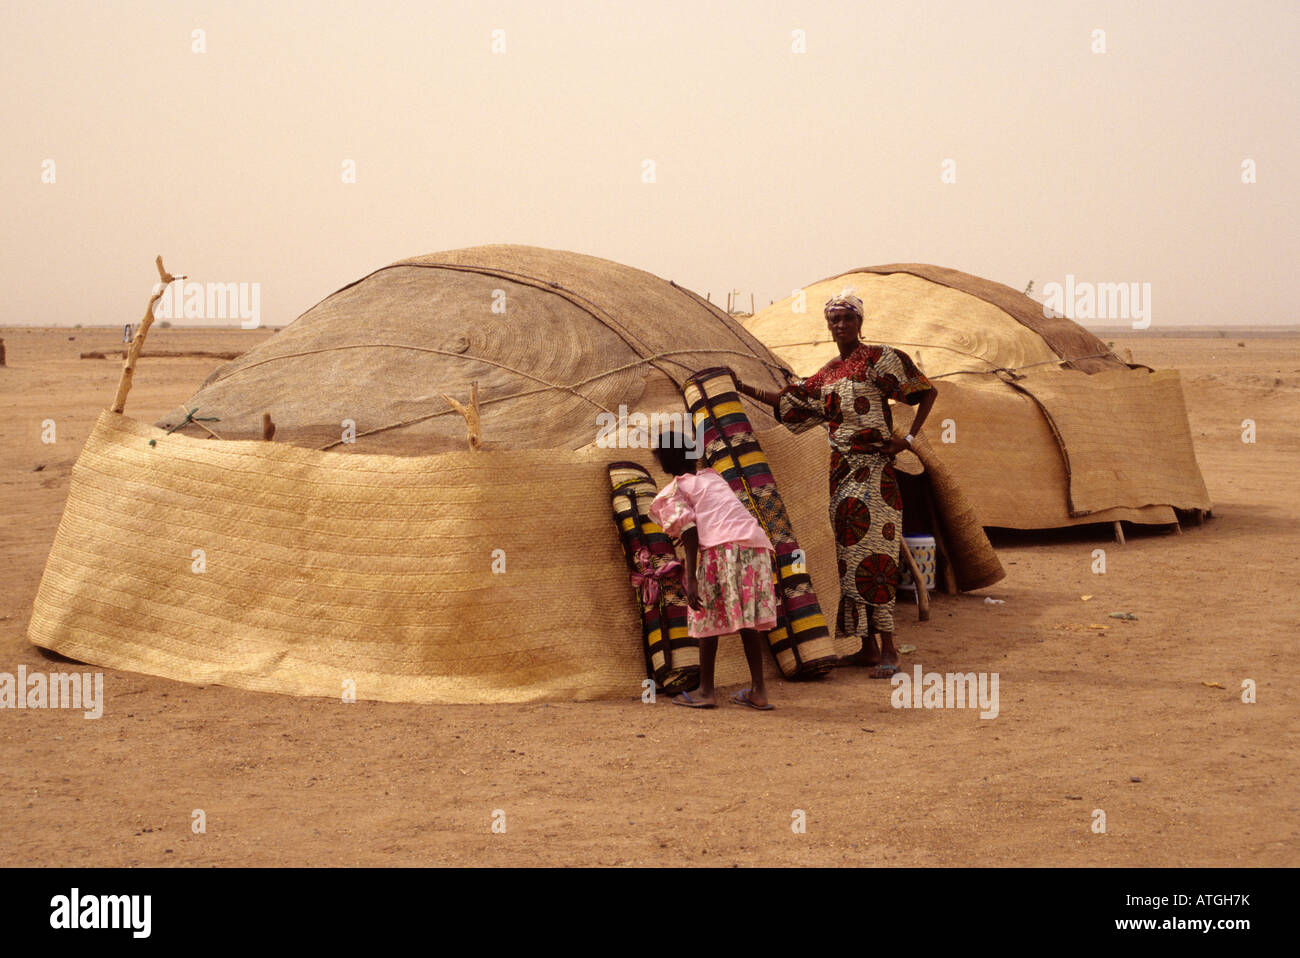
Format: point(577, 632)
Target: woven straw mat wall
point(322, 567)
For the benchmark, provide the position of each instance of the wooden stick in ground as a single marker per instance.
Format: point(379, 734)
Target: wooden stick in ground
point(137, 344)
point(471, 415)
point(1119, 532)
point(922, 594)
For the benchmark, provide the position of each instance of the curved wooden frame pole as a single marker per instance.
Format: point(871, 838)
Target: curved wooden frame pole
point(137, 342)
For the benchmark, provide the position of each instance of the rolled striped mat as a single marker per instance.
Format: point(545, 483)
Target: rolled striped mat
point(801, 642)
point(672, 657)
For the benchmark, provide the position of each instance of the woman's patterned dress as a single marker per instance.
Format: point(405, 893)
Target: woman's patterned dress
point(849, 397)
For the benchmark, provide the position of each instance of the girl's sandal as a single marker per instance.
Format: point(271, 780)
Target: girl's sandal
point(742, 698)
point(690, 703)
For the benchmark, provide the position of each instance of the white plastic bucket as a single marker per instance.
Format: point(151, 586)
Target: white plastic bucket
point(922, 549)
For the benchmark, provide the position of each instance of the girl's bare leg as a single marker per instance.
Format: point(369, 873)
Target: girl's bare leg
point(708, 659)
point(754, 641)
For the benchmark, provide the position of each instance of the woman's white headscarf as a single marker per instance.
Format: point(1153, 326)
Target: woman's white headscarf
point(845, 300)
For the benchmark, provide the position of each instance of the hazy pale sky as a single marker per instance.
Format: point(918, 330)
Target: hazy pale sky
point(773, 168)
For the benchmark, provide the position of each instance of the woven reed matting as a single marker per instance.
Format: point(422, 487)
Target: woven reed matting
point(1064, 336)
point(1124, 437)
point(1008, 461)
point(975, 564)
point(579, 336)
point(943, 329)
point(323, 567)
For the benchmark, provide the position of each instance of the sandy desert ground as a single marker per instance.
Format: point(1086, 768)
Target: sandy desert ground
point(1120, 719)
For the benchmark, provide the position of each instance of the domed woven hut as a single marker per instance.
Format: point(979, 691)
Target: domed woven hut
point(385, 568)
point(554, 339)
point(1042, 425)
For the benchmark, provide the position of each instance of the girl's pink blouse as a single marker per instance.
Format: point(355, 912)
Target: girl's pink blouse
point(705, 501)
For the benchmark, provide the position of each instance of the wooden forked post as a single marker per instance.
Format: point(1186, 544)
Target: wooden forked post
point(137, 342)
point(474, 434)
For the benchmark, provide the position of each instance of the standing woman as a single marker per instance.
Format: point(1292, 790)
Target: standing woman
point(850, 396)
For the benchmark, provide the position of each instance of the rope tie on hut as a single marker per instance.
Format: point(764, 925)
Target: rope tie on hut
point(191, 418)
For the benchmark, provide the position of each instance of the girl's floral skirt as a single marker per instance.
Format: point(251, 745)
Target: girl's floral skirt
point(736, 591)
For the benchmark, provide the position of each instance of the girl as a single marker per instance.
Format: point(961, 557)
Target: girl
point(728, 568)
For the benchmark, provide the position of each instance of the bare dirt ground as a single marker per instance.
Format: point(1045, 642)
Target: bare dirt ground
point(1117, 719)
